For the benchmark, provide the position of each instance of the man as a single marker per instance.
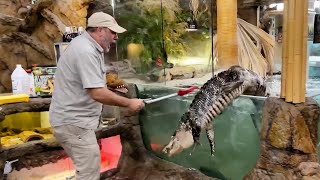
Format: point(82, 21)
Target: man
point(80, 91)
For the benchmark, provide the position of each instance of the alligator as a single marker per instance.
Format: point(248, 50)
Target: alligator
point(213, 97)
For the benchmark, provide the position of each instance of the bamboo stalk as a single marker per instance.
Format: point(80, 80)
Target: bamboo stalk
point(227, 33)
point(293, 79)
point(304, 52)
point(290, 46)
point(297, 49)
point(284, 50)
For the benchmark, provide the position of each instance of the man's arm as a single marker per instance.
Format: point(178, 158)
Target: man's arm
point(105, 96)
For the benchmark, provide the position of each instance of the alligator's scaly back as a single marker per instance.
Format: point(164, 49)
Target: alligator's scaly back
point(213, 97)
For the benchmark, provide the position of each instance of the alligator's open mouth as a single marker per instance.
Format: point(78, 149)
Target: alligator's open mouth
point(182, 140)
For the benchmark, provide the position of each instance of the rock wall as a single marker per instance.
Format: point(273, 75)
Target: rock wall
point(288, 141)
point(28, 32)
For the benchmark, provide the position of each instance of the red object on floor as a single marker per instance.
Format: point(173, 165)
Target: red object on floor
point(110, 152)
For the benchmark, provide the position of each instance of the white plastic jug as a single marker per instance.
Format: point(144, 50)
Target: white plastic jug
point(32, 91)
point(20, 81)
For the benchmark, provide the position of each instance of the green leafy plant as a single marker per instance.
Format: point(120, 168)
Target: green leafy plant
point(144, 26)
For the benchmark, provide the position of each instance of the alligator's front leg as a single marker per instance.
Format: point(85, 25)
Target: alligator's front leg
point(210, 136)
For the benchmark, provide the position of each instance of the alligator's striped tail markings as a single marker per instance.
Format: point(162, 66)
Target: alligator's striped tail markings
point(214, 111)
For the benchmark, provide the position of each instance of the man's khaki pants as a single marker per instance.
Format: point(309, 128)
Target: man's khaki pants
point(81, 145)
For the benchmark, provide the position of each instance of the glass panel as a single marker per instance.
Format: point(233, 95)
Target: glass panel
point(236, 133)
point(169, 43)
point(165, 40)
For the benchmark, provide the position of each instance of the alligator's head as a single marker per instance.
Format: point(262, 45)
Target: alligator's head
point(182, 139)
point(253, 83)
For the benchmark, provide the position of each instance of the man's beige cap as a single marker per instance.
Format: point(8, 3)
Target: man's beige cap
point(101, 19)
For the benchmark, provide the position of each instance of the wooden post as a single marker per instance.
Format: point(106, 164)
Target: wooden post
point(294, 65)
point(227, 43)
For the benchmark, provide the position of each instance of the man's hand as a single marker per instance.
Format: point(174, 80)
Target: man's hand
point(135, 105)
point(105, 96)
